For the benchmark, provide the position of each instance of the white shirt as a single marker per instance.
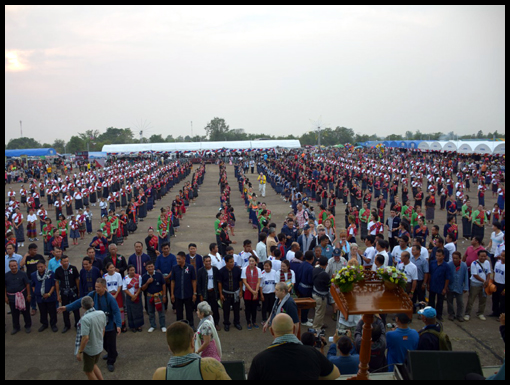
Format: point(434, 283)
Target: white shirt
point(31, 218)
point(244, 258)
point(410, 270)
point(424, 253)
point(217, 261)
point(499, 273)
point(210, 283)
point(292, 278)
point(370, 254)
point(113, 282)
point(125, 284)
point(290, 255)
point(268, 281)
point(243, 276)
point(261, 251)
point(481, 270)
point(397, 252)
point(451, 248)
point(386, 259)
point(497, 239)
point(277, 264)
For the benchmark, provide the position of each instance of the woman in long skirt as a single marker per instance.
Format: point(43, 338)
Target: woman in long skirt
point(142, 213)
point(19, 229)
point(134, 308)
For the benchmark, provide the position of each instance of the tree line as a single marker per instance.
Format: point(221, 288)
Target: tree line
point(218, 130)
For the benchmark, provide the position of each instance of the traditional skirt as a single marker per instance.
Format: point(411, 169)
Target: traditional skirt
point(364, 230)
point(85, 201)
point(50, 199)
point(93, 197)
point(69, 210)
point(123, 201)
point(88, 225)
point(429, 213)
point(150, 203)
point(78, 204)
point(75, 234)
point(20, 234)
point(477, 231)
point(466, 228)
point(82, 227)
point(31, 230)
point(134, 313)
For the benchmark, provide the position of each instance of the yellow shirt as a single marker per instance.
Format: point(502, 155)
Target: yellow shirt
point(262, 179)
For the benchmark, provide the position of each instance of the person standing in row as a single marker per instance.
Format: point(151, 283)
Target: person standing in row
point(18, 296)
point(229, 285)
point(183, 288)
point(154, 285)
point(43, 282)
point(67, 283)
point(207, 288)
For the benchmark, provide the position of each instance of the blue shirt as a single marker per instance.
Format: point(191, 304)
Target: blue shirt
point(346, 365)
point(157, 284)
point(305, 279)
point(53, 264)
point(15, 257)
point(422, 266)
point(398, 343)
point(88, 280)
point(48, 284)
point(438, 276)
point(165, 264)
point(327, 251)
point(183, 278)
point(458, 279)
point(433, 255)
point(144, 259)
point(105, 303)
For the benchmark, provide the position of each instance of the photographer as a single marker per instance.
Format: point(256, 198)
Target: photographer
point(346, 363)
point(378, 345)
point(311, 338)
point(400, 340)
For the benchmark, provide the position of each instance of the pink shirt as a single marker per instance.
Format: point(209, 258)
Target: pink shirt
point(472, 255)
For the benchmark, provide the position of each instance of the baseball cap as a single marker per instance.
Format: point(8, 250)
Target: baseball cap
point(428, 312)
point(337, 252)
point(307, 227)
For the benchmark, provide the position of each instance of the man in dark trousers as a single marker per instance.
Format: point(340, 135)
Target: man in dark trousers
point(229, 286)
point(207, 287)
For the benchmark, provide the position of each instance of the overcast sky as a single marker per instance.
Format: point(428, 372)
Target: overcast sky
point(267, 69)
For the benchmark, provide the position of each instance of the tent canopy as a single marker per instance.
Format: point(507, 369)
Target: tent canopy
point(31, 152)
point(200, 146)
point(97, 155)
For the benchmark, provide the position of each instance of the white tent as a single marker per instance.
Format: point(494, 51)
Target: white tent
point(484, 147)
point(499, 148)
point(424, 145)
point(452, 145)
point(199, 146)
point(437, 146)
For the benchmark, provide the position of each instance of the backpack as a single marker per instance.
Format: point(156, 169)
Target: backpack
point(444, 341)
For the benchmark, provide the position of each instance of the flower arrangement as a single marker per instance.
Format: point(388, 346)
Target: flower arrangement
point(347, 277)
point(392, 277)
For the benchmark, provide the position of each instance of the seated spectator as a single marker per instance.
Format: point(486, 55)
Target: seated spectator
point(185, 364)
point(346, 363)
point(400, 340)
point(286, 352)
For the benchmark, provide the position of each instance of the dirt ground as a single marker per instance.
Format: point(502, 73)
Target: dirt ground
point(48, 355)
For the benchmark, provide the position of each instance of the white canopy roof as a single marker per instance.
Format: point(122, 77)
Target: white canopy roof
point(200, 146)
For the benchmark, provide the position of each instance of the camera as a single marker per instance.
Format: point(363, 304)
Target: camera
point(318, 336)
point(391, 326)
point(420, 305)
point(342, 332)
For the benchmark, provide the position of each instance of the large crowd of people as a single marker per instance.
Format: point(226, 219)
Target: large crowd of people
point(381, 192)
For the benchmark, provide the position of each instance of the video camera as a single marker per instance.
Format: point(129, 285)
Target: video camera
point(318, 337)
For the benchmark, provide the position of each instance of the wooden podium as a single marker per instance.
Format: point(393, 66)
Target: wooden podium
point(303, 303)
point(370, 297)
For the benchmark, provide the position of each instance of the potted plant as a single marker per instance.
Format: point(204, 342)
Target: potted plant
point(347, 277)
point(392, 278)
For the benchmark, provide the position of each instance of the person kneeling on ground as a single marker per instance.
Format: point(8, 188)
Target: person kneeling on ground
point(185, 364)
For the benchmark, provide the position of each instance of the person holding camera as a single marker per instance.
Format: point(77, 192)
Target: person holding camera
point(346, 363)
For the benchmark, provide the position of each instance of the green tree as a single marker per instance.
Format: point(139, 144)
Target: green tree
point(217, 130)
point(343, 135)
point(408, 135)
point(309, 139)
point(156, 139)
point(59, 146)
point(169, 139)
point(480, 135)
point(417, 135)
point(394, 137)
point(76, 144)
point(22, 143)
point(116, 136)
